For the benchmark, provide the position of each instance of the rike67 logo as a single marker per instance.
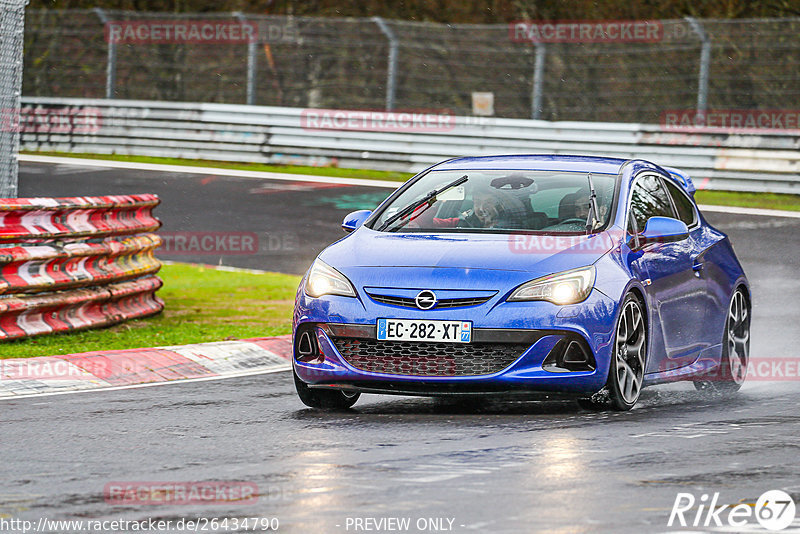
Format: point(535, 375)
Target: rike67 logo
point(774, 510)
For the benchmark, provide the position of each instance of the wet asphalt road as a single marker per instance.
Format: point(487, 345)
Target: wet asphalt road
point(503, 467)
point(289, 222)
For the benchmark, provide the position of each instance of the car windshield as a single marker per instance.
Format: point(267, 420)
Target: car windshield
point(499, 202)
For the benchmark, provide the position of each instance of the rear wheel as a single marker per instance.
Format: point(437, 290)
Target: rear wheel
point(730, 376)
point(626, 372)
point(326, 399)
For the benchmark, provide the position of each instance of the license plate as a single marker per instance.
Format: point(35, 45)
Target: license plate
point(417, 330)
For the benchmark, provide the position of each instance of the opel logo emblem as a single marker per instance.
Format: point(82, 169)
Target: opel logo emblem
point(426, 299)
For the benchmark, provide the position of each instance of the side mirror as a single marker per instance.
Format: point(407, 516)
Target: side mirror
point(664, 230)
point(355, 219)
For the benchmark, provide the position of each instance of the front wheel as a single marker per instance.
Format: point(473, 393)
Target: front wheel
point(729, 377)
point(626, 371)
point(325, 399)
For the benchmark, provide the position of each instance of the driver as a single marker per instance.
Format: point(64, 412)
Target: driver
point(494, 209)
point(582, 206)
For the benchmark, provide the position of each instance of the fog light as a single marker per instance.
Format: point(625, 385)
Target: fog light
point(306, 348)
point(570, 354)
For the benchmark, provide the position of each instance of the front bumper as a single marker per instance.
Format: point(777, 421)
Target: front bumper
point(529, 370)
point(538, 325)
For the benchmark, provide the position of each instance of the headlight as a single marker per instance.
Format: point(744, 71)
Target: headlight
point(569, 287)
point(325, 280)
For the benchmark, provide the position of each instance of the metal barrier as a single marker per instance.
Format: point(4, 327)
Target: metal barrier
point(764, 161)
point(75, 263)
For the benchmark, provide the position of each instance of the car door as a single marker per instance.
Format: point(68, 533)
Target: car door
point(701, 243)
point(675, 293)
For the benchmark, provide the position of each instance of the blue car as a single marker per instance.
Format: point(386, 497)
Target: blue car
point(563, 276)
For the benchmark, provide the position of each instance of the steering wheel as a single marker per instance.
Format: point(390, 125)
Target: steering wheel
point(573, 220)
point(468, 219)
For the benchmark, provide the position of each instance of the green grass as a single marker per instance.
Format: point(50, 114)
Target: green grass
point(775, 201)
point(201, 305)
point(290, 169)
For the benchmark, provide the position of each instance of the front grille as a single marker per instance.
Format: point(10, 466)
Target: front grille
point(441, 303)
point(427, 358)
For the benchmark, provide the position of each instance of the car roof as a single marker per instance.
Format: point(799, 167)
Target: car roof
point(536, 162)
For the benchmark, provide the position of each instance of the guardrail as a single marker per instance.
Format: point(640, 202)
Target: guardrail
point(76, 263)
point(764, 161)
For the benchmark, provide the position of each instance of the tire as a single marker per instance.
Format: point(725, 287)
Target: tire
point(593, 404)
point(324, 399)
point(731, 374)
point(626, 370)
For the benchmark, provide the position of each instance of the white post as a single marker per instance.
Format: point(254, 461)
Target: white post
point(391, 76)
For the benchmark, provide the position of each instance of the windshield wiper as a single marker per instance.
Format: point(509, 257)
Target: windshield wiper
point(430, 198)
point(591, 219)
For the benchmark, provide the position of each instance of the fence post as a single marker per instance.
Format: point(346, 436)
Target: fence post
point(111, 62)
point(12, 14)
point(538, 82)
point(705, 62)
point(391, 76)
point(252, 65)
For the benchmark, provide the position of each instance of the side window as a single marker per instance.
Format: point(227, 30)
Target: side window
point(684, 206)
point(649, 199)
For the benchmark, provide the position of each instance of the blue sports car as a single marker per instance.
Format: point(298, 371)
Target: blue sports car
point(574, 276)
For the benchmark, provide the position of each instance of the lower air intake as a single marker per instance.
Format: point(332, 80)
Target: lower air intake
point(428, 358)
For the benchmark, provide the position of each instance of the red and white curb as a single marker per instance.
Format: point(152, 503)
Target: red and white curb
point(116, 369)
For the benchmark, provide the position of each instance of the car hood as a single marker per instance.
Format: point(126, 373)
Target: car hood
point(540, 254)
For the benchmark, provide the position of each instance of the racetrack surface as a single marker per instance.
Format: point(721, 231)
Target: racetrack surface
point(291, 222)
point(501, 467)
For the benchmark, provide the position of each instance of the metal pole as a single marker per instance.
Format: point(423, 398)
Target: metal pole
point(11, 126)
point(538, 82)
point(111, 62)
point(252, 65)
point(391, 76)
point(705, 63)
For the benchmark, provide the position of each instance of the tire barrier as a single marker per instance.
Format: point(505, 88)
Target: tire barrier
point(37, 219)
point(28, 269)
point(75, 263)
